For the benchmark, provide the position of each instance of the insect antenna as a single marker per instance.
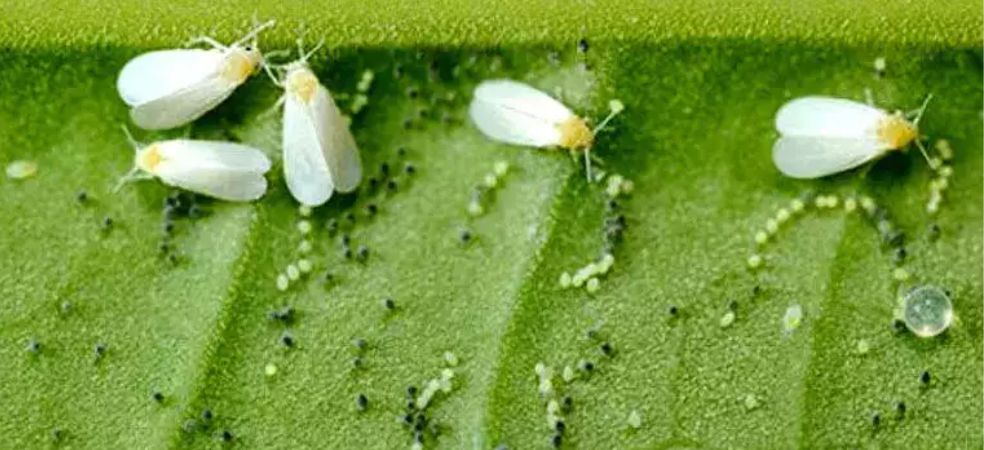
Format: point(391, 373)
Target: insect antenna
point(922, 109)
point(132, 174)
point(252, 34)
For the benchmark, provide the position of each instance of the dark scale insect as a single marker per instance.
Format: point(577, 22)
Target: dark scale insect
point(207, 415)
point(157, 396)
point(673, 310)
point(876, 420)
point(411, 405)
point(350, 217)
point(389, 304)
point(57, 434)
point(226, 436)
point(347, 252)
point(557, 440)
point(81, 197)
point(371, 209)
point(900, 409)
point(587, 366)
point(464, 236)
point(391, 185)
point(359, 344)
point(407, 420)
point(411, 391)
point(733, 305)
point(346, 239)
point(899, 326)
point(284, 314)
point(409, 169)
point(412, 92)
point(384, 169)
point(357, 362)
point(401, 152)
point(33, 346)
point(898, 255)
point(925, 378)
point(361, 402)
point(107, 223)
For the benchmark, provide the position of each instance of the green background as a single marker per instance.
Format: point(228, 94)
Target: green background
point(701, 82)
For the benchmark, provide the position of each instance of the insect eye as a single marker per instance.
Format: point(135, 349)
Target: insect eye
point(249, 48)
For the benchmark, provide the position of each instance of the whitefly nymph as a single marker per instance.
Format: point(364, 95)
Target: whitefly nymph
point(821, 136)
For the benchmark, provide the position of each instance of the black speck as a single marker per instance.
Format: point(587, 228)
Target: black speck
point(898, 257)
point(412, 92)
point(733, 305)
point(226, 436)
point(107, 222)
point(56, 434)
point(371, 209)
point(409, 169)
point(163, 248)
point(33, 346)
point(411, 405)
point(899, 326)
point(876, 420)
point(756, 290)
point(157, 396)
point(359, 343)
point(407, 123)
point(591, 334)
point(560, 426)
point(900, 408)
point(411, 391)
point(207, 415)
point(587, 366)
point(606, 348)
point(285, 314)
point(332, 226)
point(389, 304)
point(391, 185)
point(464, 236)
point(347, 252)
point(363, 253)
point(925, 377)
point(167, 227)
point(420, 423)
point(401, 151)
point(566, 403)
point(582, 45)
point(346, 239)
point(100, 350)
point(674, 311)
point(287, 340)
point(557, 440)
point(82, 197)
point(933, 231)
point(350, 217)
point(361, 402)
point(384, 169)
point(357, 362)
point(408, 419)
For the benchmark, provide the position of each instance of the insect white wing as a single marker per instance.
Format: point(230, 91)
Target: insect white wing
point(157, 74)
point(306, 170)
point(828, 117)
point(516, 113)
point(222, 170)
point(814, 157)
point(336, 141)
point(183, 106)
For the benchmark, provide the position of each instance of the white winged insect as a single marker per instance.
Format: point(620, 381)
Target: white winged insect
point(821, 136)
point(515, 113)
point(320, 155)
point(169, 88)
point(224, 170)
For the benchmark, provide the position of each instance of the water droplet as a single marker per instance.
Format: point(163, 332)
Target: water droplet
point(928, 311)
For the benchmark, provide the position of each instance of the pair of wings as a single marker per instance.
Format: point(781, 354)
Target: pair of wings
point(821, 136)
point(223, 170)
point(515, 113)
point(320, 155)
point(169, 88)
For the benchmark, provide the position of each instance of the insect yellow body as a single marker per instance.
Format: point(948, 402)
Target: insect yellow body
point(897, 132)
point(575, 134)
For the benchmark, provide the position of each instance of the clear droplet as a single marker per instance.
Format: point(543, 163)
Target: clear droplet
point(928, 311)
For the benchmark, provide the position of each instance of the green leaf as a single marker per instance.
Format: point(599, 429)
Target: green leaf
point(695, 139)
